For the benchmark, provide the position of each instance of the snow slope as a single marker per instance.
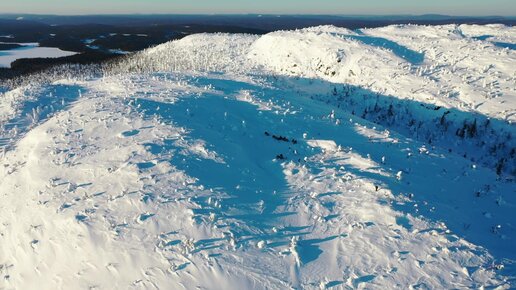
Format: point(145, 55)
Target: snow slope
point(432, 83)
point(244, 162)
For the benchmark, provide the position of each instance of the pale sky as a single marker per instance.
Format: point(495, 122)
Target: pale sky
point(348, 7)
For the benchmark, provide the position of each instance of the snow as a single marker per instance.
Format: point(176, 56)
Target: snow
point(207, 52)
point(389, 61)
point(30, 50)
point(116, 51)
point(223, 161)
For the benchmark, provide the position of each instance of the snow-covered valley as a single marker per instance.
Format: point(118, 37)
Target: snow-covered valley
point(321, 158)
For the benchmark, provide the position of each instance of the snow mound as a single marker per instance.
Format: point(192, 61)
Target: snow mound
point(199, 52)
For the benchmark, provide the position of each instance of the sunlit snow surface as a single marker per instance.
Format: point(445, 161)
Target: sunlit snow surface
point(258, 175)
point(30, 50)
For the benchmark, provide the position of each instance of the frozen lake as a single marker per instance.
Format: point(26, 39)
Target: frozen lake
point(30, 50)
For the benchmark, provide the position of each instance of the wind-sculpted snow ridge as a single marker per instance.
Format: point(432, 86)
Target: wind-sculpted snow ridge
point(261, 163)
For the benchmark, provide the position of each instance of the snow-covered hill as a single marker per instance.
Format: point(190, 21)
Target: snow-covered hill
point(322, 158)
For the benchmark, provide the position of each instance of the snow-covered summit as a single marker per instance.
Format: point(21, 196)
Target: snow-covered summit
point(457, 66)
point(321, 158)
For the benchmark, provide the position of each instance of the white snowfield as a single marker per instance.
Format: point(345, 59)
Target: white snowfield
point(321, 158)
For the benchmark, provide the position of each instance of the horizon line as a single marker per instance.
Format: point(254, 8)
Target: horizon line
point(255, 14)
